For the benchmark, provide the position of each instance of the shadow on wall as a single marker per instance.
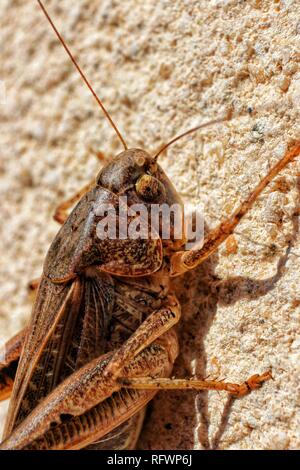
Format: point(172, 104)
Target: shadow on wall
point(171, 419)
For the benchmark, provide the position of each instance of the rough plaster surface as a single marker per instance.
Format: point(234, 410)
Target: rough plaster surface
point(162, 67)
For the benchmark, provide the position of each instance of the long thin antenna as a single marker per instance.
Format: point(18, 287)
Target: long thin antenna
point(82, 75)
point(190, 131)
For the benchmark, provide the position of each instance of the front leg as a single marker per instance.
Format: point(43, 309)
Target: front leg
point(186, 260)
point(61, 212)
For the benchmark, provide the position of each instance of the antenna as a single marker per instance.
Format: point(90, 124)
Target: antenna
point(82, 75)
point(190, 131)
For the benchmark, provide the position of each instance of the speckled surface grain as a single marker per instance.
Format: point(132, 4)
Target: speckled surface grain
point(161, 67)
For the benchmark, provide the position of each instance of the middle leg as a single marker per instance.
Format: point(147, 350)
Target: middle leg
point(237, 390)
point(9, 357)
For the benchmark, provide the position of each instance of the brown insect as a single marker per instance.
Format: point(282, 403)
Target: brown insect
point(101, 342)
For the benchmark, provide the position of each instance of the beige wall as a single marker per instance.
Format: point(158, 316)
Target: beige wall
point(160, 68)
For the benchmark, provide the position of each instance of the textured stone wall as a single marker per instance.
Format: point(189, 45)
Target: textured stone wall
point(160, 68)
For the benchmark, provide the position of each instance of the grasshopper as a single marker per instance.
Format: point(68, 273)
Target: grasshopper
point(101, 340)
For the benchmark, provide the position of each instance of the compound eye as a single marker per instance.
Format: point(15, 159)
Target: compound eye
point(150, 188)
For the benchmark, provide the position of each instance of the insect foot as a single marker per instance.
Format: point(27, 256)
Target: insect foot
point(254, 382)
